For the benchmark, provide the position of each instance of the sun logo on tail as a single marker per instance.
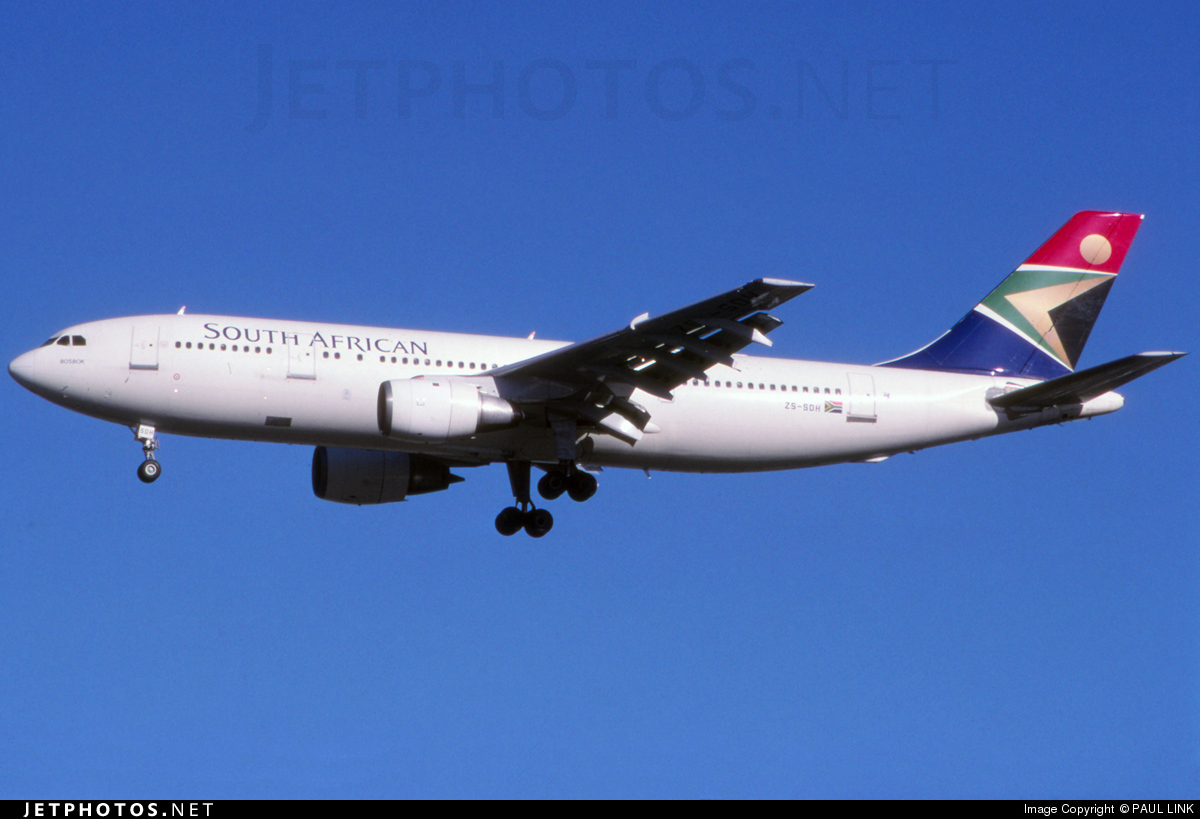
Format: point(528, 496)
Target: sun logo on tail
point(1095, 249)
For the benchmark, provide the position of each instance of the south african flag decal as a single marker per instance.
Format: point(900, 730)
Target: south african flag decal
point(833, 406)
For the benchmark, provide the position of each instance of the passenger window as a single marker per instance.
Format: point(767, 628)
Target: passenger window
point(325, 354)
point(177, 345)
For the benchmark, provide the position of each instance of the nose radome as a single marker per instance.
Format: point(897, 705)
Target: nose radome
point(21, 369)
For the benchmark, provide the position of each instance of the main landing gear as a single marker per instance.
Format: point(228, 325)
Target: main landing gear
point(150, 469)
point(537, 522)
point(578, 484)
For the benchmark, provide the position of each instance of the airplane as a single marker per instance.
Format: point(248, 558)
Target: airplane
point(391, 411)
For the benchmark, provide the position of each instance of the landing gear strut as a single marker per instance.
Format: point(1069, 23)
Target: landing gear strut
point(150, 469)
point(536, 522)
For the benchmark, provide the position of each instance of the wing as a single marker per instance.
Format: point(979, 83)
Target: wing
point(594, 379)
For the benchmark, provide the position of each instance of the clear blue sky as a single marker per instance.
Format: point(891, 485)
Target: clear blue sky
point(1014, 617)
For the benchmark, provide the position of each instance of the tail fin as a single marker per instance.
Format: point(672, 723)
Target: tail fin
point(1034, 325)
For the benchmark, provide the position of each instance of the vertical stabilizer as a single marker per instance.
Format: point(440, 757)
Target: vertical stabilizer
point(1035, 324)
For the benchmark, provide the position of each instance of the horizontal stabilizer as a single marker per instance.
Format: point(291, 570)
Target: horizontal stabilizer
point(1083, 386)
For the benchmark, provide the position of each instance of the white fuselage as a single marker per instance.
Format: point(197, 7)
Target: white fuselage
point(318, 384)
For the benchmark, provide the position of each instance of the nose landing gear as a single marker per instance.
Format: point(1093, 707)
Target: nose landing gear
point(150, 469)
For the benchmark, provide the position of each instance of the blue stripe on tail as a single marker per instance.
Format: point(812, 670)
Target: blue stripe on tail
point(978, 344)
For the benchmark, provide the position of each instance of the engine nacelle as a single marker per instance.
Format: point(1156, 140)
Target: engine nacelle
point(441, 408)
point(370, 476)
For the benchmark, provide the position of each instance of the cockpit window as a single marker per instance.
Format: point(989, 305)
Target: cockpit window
point(66, 341)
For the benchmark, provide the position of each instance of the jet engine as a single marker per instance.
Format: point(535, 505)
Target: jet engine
point(369, 476)
point(438, 409)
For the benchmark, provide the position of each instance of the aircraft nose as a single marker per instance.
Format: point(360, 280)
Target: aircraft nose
point(22, 369)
